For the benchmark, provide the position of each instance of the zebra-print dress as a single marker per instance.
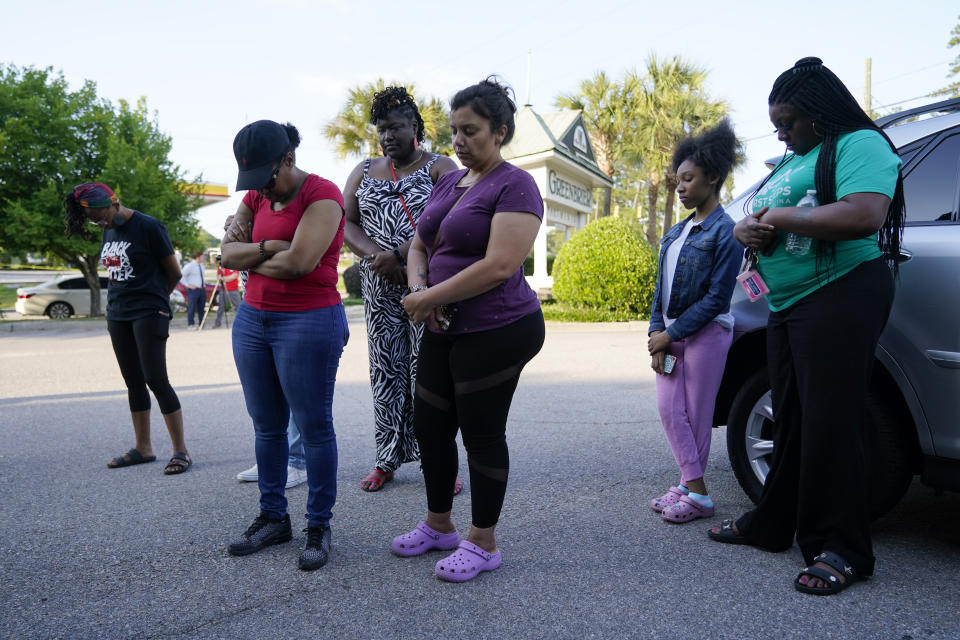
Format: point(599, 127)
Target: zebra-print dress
point(392, 339)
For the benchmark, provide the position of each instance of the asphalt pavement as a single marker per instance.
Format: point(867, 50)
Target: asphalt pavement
point(89, 552)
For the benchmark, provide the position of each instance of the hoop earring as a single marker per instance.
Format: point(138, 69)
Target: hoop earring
point(813, 125)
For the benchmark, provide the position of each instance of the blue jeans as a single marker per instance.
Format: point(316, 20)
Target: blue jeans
point(297, 459)
point(287, 361)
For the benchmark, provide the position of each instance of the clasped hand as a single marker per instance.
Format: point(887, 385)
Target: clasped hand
point(420, 309)
point(751, 232)
point(385, 265)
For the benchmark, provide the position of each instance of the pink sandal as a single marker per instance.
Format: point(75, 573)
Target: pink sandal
point(685, 510)
point(467, 563)
point(670, 498)
point(423, 539)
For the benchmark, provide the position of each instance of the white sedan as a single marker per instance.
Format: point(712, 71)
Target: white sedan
point(61, 297)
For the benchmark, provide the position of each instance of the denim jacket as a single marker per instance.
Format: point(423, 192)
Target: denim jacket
point(706, 273)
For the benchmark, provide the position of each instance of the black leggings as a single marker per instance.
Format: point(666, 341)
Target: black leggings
point(821, 353)
point(467, 381)
point(141, 349)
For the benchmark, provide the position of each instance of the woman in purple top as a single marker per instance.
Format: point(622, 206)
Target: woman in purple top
point(465, 277)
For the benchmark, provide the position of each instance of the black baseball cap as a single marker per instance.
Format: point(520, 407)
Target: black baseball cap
point(257, 148)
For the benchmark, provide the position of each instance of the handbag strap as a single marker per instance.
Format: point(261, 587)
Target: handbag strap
point(400, 195)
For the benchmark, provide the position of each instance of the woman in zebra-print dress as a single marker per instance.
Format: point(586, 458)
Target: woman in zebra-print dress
point(384, 198)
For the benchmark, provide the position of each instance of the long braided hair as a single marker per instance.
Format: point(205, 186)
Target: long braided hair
point(396, 98)
point(815, 90)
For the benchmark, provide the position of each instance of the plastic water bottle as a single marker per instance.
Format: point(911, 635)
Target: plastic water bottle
point(800, 245)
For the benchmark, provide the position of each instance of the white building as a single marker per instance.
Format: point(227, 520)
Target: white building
point(554, 148)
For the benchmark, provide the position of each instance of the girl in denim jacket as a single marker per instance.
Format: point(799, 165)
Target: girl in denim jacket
point(691, 328)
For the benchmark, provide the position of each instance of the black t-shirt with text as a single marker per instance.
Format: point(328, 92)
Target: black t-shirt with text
point(132, 255)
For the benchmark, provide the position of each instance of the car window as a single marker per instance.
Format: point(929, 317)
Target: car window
point(73, 283)
point(930, 189)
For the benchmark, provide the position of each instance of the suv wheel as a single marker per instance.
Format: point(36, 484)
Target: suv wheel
point(890, 450)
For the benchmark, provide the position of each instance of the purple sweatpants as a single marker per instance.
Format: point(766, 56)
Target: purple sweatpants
point(686, 397)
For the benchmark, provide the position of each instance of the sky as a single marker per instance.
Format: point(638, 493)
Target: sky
point(209, 67)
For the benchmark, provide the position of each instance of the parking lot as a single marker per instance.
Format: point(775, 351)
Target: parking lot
point(130, 553)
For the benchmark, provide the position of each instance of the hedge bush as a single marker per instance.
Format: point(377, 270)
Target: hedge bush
point(351, 280)
point(607, 265)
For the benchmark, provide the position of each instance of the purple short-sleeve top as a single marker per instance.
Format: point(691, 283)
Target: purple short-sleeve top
point(457, 236)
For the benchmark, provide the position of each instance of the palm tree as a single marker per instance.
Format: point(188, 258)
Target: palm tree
point(609, 111)
point(675, 104)
point(352, 133)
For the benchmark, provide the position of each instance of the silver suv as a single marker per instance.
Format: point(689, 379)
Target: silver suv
point(914, 405)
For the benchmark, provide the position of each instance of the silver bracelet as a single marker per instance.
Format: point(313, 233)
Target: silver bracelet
point(417, 287)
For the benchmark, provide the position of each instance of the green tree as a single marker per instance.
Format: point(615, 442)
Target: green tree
point(52, 138)
point(352, 134)
point(634, 124)
point(675, 105)
point(952, 90)
point(610, 110)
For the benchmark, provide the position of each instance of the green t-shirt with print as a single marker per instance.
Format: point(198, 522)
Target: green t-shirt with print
point(865, 164)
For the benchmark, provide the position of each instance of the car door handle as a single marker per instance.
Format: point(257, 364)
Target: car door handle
point(904, 255)
point(945, 359)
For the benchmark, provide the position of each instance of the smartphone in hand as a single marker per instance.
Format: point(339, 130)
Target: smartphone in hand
point(668, 362)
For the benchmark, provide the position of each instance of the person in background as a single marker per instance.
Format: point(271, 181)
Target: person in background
point(465, 277)
point(691, 321)
point(384, 198)
point(230, 292)
point(143, 270)
point(196, 287)
point(829, 302)
point(290, 329)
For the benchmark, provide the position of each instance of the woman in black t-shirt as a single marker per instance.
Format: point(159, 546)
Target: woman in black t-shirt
point(143, 269)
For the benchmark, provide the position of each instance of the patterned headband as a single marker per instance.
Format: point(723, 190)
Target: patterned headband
point(94, 195)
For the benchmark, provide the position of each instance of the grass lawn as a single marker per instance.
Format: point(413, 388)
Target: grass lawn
point(8, 294)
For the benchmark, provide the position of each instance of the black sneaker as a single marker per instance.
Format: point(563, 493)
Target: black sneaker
point(316, 551)
point(262, 533)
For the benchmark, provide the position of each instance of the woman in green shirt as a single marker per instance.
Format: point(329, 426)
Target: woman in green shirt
point(830, 294)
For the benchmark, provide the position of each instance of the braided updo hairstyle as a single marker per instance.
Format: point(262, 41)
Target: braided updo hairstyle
point(396, 98)
point(715, 150)
point(815, 90)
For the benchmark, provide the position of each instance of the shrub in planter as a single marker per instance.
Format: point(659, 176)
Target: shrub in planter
point(351, 281)
point(607, 265)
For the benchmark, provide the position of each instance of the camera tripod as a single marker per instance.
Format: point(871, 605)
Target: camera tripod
point(219, 296)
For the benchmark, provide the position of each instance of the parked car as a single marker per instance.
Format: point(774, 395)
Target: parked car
point(914, 404)
point(62, 297)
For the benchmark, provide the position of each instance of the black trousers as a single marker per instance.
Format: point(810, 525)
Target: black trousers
point(467, 381)
point(821, 353)
point(141, 349)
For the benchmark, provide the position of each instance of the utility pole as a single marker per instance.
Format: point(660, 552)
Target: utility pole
point(868, 63)
point(529, 63)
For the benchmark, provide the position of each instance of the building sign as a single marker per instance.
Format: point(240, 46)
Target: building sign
point(564, 217)
point(567, 191)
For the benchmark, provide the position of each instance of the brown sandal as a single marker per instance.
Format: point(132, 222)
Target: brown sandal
point(375, 480)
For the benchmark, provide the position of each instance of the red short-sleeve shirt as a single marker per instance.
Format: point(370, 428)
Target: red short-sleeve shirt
point(318, 288)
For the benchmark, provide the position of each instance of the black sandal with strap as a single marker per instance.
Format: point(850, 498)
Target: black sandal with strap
point(727, 533)
point(179, 463)
point(129, 459)
point(834, 585)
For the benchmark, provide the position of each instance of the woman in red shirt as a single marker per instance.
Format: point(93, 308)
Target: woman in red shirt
point(290, 328)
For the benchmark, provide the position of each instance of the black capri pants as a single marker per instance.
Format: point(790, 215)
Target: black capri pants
point(141, 349)
point(467, 381)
